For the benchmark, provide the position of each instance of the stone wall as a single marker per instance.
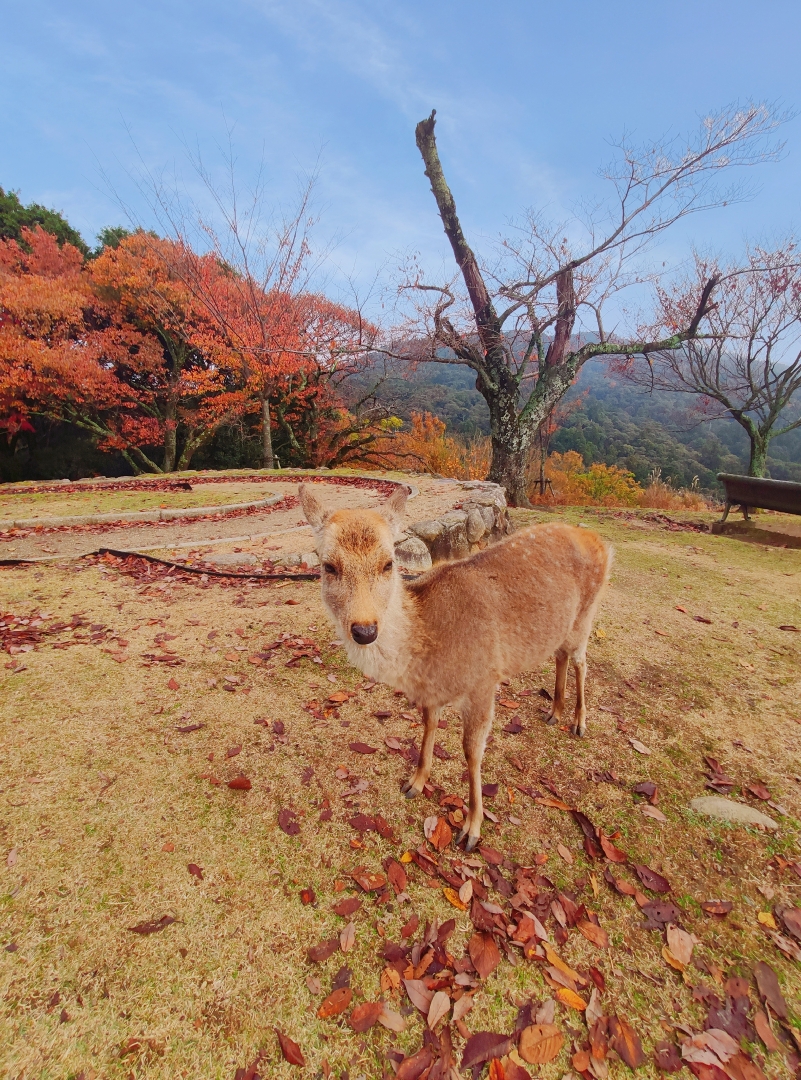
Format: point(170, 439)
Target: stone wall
point(482, 519)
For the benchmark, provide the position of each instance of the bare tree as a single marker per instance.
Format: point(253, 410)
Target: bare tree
point(748, 364)
point(528, 322)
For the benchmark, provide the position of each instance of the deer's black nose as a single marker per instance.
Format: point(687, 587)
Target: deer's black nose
point(364, 633)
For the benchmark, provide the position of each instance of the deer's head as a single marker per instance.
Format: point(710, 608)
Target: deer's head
point(357, 561)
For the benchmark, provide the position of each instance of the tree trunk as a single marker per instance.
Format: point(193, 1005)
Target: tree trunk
point(509, 470)
point(267, 458)
point(170, 446)
point(758, 465)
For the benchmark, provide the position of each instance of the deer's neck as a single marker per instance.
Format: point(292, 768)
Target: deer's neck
point(389, 658)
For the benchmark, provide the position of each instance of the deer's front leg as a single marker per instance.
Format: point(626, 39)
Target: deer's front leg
point(417, 782)
point(477, 721)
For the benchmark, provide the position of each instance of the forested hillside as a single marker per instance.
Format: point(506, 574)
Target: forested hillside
point(615, 424)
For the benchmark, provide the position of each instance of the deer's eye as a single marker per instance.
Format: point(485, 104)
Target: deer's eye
point(330, 569)
point(388, 567)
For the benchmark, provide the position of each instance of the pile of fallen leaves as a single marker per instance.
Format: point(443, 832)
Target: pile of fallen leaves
point(21, 634)
point(519, 915)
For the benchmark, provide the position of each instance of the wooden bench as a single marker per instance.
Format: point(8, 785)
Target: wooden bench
point(753, 491)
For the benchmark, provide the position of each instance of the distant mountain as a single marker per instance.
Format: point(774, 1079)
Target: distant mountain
point(617, 424)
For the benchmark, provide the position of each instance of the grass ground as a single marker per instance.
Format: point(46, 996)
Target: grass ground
point(104, 803)
point(46, 504)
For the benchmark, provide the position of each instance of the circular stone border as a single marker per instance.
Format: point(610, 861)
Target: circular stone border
point(152, 517)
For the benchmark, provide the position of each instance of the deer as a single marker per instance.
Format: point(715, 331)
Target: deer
point(452, 635)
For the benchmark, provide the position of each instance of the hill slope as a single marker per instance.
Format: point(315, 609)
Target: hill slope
point(616, 424)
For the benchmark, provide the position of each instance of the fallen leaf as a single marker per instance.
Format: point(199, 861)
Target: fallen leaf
point(758, 790)
point(565, 853)
point(347, 938)
point(462, 1007)
point(391, 1020)
point(241, 783)
point(363, 748)
point(413, 1067)
point(614, 854)
point(288, 823)
point(440, 1007)
point(335, 1003)
point(441, 835)
point(318, 953)
point(397, 876)
point(347, 907)
point(653, 812)
point(556, 804)
point(571, 998)
point(308, 895)
point(290, 1049)
point(195, 871)
point(667, 1058)
point(368, 881)
point(483, 1047)
point(490, 855)
point(769, 990)
point(716, 907)
point(792, 629)
point(766, 918)
point(646, 788)
point(466, 892)
point(419, 994)
point(640, 747)
point(765, 1032)
point(679, 943)
point(173, 684)
point(364, 1016)
point(484, 954)
point(154, 926)
point(452, 896)
point(540, 1043)
point(625, 1041)
point(651, 879)
point(596, 934)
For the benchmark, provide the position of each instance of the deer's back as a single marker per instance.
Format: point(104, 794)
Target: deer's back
point(511, 606)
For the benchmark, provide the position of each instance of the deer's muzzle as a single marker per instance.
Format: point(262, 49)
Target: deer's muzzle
point(364, 633)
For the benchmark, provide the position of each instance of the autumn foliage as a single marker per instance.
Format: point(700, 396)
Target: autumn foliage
point(152, 348)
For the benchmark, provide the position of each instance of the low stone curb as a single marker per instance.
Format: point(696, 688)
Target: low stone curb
point(145, 516)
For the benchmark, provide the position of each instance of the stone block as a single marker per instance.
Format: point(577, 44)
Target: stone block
point(412, 553)
point(428, 531)
point(475, 525)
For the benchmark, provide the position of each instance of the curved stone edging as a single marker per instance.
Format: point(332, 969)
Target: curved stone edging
point(145, 516)
point(149, 517)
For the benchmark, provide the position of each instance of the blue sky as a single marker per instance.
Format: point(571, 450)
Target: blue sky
point(528, 96)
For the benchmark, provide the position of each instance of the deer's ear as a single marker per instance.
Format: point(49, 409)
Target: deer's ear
point(393, 508)
point(312, 509)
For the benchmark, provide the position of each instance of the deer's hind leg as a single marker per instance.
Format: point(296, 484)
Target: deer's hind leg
point(477, 717)
point(580, 669)
point(558, 705)
point(415, 784)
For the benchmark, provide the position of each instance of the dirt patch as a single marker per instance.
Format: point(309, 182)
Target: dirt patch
point(131, 706)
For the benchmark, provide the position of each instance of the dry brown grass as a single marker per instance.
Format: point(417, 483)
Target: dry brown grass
point(95, 781)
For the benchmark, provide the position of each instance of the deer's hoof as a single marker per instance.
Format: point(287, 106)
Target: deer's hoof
point(580, 732)
point(471, 842)
point(551, 720)
point(409, 790)
point(460, 837)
